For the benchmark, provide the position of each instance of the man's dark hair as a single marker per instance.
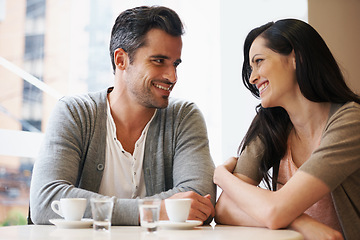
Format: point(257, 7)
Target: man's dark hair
point(133, 24)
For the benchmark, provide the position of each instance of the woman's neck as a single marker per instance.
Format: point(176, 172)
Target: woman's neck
point(309, 118)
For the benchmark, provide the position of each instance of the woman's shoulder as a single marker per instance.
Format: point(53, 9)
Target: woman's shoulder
point(349, 109)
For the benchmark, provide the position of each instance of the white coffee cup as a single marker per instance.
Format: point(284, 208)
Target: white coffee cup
point(72, 209)
point(178, 209)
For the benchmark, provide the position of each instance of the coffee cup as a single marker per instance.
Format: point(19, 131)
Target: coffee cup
point(178, 209)
point(72, 209)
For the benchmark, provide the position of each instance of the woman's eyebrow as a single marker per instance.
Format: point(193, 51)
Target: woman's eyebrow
point(253, 58)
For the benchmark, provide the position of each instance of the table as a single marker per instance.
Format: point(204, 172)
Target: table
point(42, 232)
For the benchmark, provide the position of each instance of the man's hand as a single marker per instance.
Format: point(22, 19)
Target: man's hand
point(201, 206)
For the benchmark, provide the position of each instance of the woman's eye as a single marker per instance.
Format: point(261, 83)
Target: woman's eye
point(258, 60)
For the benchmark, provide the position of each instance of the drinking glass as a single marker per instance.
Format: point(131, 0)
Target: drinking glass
point(101, 209)
point(149, 210)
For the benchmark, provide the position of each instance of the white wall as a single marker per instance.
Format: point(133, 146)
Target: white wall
point(237, 19)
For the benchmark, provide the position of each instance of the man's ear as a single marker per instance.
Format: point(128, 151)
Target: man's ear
point(121, 58)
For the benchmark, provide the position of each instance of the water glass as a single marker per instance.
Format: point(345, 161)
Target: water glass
point(149, 210)
point(101, 209)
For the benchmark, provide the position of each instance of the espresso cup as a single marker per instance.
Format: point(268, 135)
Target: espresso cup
point(178, 209)
point(72, 209)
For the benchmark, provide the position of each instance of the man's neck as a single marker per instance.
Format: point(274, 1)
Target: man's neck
point(128, 114)
point(130, 119)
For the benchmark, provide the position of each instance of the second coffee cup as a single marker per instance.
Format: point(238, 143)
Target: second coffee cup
point(178, 209)
point(72, 209)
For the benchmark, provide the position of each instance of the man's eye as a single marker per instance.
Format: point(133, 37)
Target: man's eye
point(158, 61)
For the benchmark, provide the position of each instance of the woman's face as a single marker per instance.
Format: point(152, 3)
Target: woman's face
point(273, 74)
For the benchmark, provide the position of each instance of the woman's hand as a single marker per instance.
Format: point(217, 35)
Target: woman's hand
point(230, 164)
point(314, 230)
point(220, 171)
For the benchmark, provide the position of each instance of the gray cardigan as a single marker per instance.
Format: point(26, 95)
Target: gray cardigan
point(72, 158)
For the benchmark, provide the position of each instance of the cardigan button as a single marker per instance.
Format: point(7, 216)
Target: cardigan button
point(100, 167)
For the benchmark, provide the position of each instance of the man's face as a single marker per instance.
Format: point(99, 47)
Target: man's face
point(152, 75)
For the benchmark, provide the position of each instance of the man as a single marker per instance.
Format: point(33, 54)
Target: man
point(131, 141)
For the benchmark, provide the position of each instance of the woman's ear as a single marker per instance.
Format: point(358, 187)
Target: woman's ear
point(293, 59)
point(121, 58)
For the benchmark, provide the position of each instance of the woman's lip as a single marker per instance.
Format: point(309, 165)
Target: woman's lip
point(263, 86)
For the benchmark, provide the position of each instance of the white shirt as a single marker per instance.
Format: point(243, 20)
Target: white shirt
point(123, 175)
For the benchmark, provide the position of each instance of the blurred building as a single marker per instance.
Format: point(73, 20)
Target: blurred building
point(62, 44)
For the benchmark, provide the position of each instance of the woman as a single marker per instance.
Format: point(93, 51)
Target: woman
point(307, 129)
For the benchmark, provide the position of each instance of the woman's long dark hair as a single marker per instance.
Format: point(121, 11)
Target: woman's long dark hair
point(319, 78)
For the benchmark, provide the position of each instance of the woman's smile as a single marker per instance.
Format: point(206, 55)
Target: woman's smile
point(263, 87)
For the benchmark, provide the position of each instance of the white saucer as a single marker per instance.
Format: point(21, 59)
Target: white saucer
point(189, 224)
point(62, 223)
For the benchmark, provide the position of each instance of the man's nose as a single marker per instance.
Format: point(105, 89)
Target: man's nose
point(171, 74)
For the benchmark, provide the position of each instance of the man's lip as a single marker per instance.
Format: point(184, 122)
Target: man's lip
point(168, 88)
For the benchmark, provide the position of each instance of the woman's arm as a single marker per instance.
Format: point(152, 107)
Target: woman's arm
point(272, 209)
point(229, 210)
point(312, 229)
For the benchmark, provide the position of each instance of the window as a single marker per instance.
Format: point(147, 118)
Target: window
point(63, 45)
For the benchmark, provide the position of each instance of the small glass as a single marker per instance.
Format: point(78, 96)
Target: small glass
point(101, 209)
point(149, 210)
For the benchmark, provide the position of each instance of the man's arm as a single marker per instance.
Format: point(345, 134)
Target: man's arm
point(71, 161)
point(182, 160)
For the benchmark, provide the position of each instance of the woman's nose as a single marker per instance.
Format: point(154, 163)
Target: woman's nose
point(254, 76)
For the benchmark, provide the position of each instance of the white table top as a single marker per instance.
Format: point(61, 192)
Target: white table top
point(42, 232)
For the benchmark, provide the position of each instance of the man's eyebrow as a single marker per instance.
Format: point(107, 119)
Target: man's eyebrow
point(159, 56)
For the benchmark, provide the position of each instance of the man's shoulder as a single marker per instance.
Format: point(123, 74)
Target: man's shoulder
point(178, 103)
point(178, 109)
point(85, 99)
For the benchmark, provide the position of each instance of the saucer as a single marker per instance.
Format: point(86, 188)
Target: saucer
point(62, 223)
point(189, 224)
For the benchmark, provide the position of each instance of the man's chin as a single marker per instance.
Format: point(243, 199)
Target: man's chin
point(163, 105)
point(165, 102)
point(160, 104)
